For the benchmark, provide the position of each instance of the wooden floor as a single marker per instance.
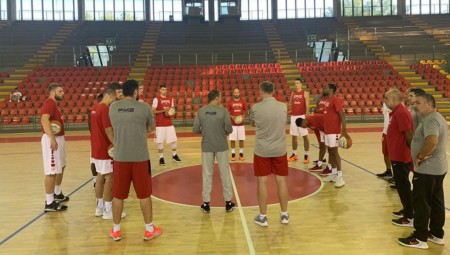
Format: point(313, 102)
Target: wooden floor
point(355, 219)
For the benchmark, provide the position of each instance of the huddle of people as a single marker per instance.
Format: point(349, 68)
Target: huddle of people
point(414, 139)
point(121, 121)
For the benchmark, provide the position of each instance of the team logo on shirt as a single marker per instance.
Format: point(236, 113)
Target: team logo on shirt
point(131, 109)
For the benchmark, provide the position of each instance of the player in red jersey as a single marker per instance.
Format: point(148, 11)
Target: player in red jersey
point(53, 149)
point(237, 108)
point(299, 107)
point(335, 126)
point(320, 135)
point(141, 93)
point(165, 131)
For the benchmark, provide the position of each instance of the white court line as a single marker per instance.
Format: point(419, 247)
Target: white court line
point(251, 248)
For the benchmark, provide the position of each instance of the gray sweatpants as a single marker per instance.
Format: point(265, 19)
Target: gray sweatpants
point(208, 168)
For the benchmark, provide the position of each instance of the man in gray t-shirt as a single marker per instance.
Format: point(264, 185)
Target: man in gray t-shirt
point(428, 150)
point(269, 119)
point(213, 122)
point(131, 121)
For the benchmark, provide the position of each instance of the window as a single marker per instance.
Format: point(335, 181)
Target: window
point(299, 9)
point(3, 10)
point(366, 8)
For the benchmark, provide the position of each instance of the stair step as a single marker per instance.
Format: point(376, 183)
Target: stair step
point(419, 84)
point(382, 53)
point(407, 73)
point(413, 78)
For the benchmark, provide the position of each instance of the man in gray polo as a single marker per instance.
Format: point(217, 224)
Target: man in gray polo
point(213, 122)
point(430, 167)
point(269, 118)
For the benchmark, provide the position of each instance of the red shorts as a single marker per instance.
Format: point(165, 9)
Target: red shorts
point(384, 147)
point(274, 165)
point(136, 172)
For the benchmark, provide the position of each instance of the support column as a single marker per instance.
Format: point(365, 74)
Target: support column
point(401, 8)
point(81, 8)
point(147, 10)
point(11, 11)
point(274, 10)
point(211, 12)
point(337, 9)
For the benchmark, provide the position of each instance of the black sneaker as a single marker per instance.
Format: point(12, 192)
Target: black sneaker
point(392, 187)
point(176, 158)
point(398, 214)
point(403, 222)
point(413, 242)
point(60, 198)
point(54, 207)
point(323, 160)
point(205, 208)
point(386, 174)
point(162, 162)
point(229, 206)
point(391, 180)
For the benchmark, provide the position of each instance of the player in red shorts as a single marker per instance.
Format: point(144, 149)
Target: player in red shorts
point(269, 118)
point(237, 107)
point(334, 127)
point(299, 107)
point(132, 121)
point(320, 108)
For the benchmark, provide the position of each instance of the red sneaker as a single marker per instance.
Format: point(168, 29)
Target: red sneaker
point(150, 235)
point(316, 168)
point(325, 172)
point(116, 236)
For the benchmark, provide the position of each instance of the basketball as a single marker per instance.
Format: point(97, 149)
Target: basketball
point(238, 120)
point(56, 127)
point(170, 112)
point(111, 152)
point(345, 142)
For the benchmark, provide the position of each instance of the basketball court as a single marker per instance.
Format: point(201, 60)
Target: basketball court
point(355, 219)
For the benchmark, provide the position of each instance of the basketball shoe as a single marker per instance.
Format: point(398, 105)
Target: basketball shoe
point(229, 206)
point(261, 221)
point(339, 182)
point(413, 242)
point(162, 162)
point(54, 207)
point(205, 208)
point(60, 198)
point(331, 178)
point(293, 157)
point(327, 171)
point(176, 158)
point(306, 159)
point(315, 168)
point(109, 215)
point(233, 157)
point(116, 236)
point(284, 218)
point(241, 156)
point(435, 239)
point(398, 214)
point(150, 235)
point(403, 222)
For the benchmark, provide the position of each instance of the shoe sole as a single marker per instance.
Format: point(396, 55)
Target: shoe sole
point(315, 170)
point(203, 210)
point(115, 238)
point(62, 208)
point(397, 216)
point(230, 210)
point(402, 225)
point(162, 165)
point(412, 246)
point(261, 224)
point(178, 161)
point(339, 186)
point(285, 222)
point(436, 242)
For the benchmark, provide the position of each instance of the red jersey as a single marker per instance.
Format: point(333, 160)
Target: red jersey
point(321, 105)
point(236, 108)
point(315, 122)
point(400, 120)
point(298, 103)
point(141, 98)
point(162, 120)
point(51, 108)
point(99, 140)
point(332, 122)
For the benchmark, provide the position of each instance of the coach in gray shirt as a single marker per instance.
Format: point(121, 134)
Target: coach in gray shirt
point(213, 122)
point(430, 166)
point(269, 118)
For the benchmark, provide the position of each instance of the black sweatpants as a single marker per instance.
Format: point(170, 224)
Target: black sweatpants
point(401, 176)
point(429, 206)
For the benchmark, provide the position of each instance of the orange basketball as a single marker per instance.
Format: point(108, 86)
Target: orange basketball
point(345, 142)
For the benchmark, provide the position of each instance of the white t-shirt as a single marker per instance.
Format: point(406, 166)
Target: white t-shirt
point(386, 112)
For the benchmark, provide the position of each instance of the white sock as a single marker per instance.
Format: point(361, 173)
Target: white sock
point(233, 151)
point(108, 206)
point(334, 171)
point(149, 227)
point(58, 190)
point(294, 152)
point(319, 163)
point(261, 216)
point(100, 203)
point(339, 173)
point(161, 155)
point(284, 213)
point(94, 178)
point(174, 153)
point(49, 198)
point(116, 227)
point(306, 152)
point(241, 150)
point(329, 166)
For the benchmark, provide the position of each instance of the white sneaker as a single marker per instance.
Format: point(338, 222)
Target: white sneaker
point(284, 218)
point(435, 240)
point(330, 178)
point(339, 182)
point(109, 216)
point(98, 212)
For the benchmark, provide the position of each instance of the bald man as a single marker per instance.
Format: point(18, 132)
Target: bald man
point(399, 136)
